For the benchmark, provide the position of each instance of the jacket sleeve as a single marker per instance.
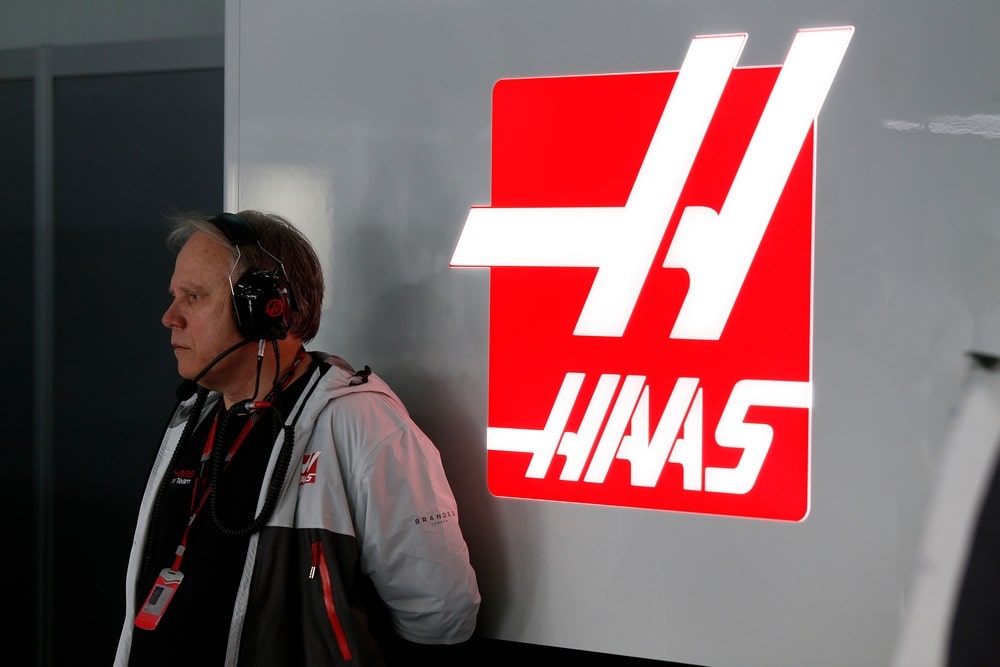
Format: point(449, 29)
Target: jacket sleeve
point(407, 522)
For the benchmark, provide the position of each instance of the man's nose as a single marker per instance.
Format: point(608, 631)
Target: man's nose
point(170, 318)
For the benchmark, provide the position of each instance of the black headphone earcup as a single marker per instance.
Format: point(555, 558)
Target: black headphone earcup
point(261, 305)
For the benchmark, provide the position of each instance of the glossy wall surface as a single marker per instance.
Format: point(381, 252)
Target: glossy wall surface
point(370, 125)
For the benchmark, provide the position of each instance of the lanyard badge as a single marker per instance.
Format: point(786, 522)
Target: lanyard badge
point(158, 599)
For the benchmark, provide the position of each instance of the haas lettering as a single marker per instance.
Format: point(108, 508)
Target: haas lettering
point(647, 452)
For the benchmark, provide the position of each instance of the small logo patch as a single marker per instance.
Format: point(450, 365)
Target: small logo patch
point(309, 461)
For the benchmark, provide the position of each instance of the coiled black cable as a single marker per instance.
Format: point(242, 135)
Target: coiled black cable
point(217, 460)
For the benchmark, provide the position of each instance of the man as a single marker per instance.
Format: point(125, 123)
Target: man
point(294, 513)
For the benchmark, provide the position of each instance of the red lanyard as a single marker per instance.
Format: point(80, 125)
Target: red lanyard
point(196, 508)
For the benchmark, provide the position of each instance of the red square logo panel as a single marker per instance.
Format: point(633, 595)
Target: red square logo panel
point(650, 243)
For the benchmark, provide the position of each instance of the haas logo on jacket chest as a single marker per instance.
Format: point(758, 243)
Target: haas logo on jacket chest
point(309, 461)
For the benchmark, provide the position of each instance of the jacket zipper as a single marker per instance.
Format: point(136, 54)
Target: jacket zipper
point(319, 561)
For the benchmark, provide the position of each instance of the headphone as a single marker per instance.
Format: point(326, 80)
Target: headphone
point(262, 300)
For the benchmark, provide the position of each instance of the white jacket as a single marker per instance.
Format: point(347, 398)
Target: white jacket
point(365, 492)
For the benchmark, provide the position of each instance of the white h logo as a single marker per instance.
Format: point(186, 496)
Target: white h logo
point(716, 248)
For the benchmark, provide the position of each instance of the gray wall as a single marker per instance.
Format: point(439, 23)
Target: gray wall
point(369, 124)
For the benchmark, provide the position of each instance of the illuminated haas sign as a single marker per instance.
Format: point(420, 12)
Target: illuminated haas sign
point(650, 238)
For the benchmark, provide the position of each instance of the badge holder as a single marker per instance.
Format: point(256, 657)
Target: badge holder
point(158, 599)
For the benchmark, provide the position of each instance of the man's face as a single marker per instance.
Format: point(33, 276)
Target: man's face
point(200, 313)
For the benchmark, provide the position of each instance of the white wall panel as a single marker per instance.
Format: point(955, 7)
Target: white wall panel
point(369, 123)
